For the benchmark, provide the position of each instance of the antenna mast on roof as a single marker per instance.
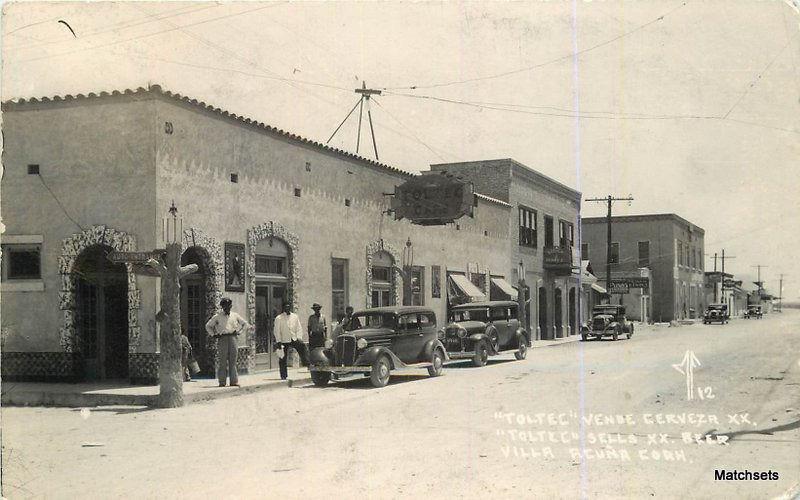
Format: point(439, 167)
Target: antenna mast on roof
point(365, 95)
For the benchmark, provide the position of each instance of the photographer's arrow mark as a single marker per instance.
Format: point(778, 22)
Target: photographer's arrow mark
point(686, 367)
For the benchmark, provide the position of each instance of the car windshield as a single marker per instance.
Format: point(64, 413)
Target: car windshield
point(371, 320)
point(477, 314)
point(605, 310)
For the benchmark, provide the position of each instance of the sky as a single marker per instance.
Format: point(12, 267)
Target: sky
point(691, 107)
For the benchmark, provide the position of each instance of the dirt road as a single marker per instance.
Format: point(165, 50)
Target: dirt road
point(597, 419)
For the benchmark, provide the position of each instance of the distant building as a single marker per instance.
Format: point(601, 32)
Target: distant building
point(723, 289)
point(667, 247)
point(544, 215)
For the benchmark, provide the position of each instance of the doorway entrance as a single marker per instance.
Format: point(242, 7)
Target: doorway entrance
point(101, 306)
point(543, 333)
point(382, 280)
point(194, 309)
point(573, 312)
point(558, 313)
point(271, 277)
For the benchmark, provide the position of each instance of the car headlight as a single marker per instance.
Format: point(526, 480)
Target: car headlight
point(328, 343)
point(462, 333)
point(362, 343)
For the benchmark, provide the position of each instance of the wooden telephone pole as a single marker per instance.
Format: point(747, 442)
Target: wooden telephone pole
point(170, 370)
point(609, 200)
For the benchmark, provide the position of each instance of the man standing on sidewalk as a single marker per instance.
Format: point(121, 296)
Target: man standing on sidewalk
point(226, 326)
point(317, 328)
point(289, 333)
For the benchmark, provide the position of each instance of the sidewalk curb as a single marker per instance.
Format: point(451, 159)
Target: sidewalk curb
point(80, 400)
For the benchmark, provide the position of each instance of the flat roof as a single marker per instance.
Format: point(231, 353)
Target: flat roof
point(640, 218)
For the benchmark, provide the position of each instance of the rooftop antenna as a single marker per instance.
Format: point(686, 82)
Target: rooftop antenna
point(364, 98)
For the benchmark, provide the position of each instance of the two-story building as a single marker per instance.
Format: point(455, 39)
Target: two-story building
point(656, 264)
point(268, 217)
point(542, 227)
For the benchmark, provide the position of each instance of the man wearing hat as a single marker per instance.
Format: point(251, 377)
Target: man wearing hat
point(317, 328)
point(225, 327)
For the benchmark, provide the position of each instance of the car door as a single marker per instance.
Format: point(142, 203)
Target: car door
point(408, 338)
point(513, 326)
point(499, 317)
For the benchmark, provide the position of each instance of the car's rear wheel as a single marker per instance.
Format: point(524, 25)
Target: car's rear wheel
point(481, 356)
point(381, 370)
point(437, 363)
point(630, 331)
point(584, 337)
point(522, 348)
point(320, 379)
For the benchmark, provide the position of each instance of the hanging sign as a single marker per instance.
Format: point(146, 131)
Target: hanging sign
point(433, 199)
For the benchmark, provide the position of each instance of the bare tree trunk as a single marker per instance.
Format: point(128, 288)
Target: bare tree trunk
point(170, 376)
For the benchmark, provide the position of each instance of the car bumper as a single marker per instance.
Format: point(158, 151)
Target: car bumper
point(460, 355)
point(341, 370)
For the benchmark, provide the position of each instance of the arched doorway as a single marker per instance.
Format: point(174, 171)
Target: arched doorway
point(543, 333)
point(558, 313)
point(101, 307)
point(573, 312)
point(194, 307)
point(383, 286)
point(272, 261)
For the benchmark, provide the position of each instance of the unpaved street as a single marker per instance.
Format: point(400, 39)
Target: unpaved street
point(594, 419)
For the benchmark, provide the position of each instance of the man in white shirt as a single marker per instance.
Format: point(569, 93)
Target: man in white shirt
point(225, 327)
point(289, 333)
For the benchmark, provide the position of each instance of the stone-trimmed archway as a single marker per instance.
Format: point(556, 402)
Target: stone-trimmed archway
point(381, 246)
point(71, 248)
point(213, 263)
point(267, 231)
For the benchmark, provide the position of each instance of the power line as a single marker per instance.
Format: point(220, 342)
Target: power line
point(546, 63)
point(409, 130)
point(60, 205)
point(757, 78)
point(122, 25)
point(148, 35)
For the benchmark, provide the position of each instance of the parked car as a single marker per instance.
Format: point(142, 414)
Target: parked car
point(716, 313)
point(608, 320)
point(378, 341)
point(483, 329)
point(753, 311)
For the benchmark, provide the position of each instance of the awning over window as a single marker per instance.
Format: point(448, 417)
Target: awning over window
point(465, 286)
point(505, 287)
point(598, 288)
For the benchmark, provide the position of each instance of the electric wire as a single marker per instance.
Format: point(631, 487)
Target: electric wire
point(542, 64)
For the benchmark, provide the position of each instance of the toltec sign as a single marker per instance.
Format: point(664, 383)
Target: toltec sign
point(433, 199)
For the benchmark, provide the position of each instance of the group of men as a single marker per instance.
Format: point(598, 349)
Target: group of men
point(227, 325)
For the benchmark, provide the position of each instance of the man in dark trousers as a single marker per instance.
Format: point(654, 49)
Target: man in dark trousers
point(317, 328)
point(226, 326)
point(288, 333)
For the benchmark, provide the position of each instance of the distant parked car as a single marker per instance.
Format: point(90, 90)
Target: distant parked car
point(608, 320)
point(716, 313)
point(483, 329)
point(753, 311)
point(378, 341)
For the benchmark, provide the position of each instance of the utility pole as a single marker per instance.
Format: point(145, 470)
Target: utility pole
point(759, 283)
point(609, 200)
point(170, 371)
point(715, 273)
point(364, 99)
point(780, 293)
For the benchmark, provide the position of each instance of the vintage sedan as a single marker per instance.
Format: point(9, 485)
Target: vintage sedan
point(376, 342)
point(716, 313)
point(481, 329)
point(753, 311)
point(608, 320)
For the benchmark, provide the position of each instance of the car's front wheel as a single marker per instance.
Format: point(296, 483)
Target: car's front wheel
point(630, 331)
point(320, 379)
point(437, 363)
point(616, 333)
point(522, 348)
point(381, 370)
point(481, 356)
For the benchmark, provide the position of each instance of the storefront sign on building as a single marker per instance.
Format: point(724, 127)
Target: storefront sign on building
point(134, 257)
point(433, 199)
